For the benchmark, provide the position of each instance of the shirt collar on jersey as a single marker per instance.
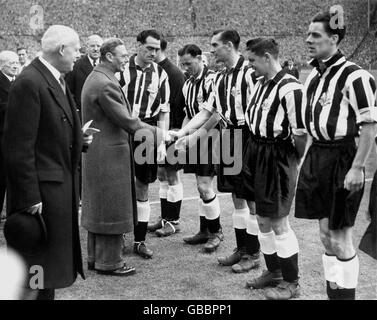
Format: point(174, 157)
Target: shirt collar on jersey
point(280, 75)
point(238, 66)
point(133, 64)
point(327, 63)
point(200, 76)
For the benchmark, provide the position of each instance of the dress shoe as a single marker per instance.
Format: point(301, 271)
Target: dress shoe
point(232, 259)
point(267, 279)
point(200, 238)
point(246, 263)
point(168, 228)
point(121, 272)
point(214, 241)
point(155, 226)
point(91, 266)
point(141, 249)
point(284, 291)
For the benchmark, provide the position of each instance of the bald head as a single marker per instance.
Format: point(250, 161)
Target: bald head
point(9, 63)
point(93, 45)
point(60, 47)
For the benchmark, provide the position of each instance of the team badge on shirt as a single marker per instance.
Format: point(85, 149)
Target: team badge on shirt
point(325, 100)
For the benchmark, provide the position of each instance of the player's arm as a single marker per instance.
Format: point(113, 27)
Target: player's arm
point(292, 102)
point(362, 97)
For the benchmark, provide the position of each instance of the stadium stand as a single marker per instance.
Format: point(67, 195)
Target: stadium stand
point(184, 21)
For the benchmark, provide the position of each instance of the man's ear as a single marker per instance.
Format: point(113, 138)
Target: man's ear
point(61, 50)
point(109, 57)
point(334, 39)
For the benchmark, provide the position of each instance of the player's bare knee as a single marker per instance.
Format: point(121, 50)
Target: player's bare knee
point(326, 240)
point(141, 191)
point(205, 190)
point(279, 226)
point(264, 224)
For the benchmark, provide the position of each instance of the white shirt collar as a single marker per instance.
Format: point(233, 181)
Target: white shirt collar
point(9, 78)
point(92, 60)
point(55, 72)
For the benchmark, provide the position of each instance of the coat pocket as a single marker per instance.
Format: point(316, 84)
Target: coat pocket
point(56, 175)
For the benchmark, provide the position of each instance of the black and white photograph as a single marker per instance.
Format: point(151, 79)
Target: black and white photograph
point(199, 152)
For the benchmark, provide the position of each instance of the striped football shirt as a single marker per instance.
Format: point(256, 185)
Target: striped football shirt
point(196, 91)
point(147, 89)
point(337, 99)
point(230, 93)
point(275, 107)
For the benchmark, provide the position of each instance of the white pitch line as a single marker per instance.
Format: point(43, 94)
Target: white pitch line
point(223, 195)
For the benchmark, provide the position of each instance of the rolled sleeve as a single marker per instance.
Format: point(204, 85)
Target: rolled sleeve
point(362, 97)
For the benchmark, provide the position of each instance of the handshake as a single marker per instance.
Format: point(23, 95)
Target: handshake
point(180, 139)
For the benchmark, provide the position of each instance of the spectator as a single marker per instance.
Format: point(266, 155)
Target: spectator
point(24, 59)
point(8, 70)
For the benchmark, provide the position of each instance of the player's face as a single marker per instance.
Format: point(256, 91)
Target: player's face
point(10, 68)
point(320, 44)
point(258, 63)
point(219, 50)
point(120, 58)
point(94, 46)
point(69, 54)
point(148, 51)
point(22, 54)
point(191, 65)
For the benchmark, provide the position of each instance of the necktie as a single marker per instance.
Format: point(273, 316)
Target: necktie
point(62, 83)
point(94, 62)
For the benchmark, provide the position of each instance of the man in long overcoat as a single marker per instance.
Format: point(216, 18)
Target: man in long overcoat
point(42, 147)
point(109, 201)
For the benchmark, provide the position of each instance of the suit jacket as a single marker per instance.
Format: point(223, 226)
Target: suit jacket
point(76, 78)
point(109, 200)
point(4, 92)
point(177, 101)
point(42, 146)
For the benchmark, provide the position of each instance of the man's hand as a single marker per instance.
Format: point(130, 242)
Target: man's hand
point(161, 152)
point(354, 180)
point(35, 209)
point(182, 143)
point(176, 134)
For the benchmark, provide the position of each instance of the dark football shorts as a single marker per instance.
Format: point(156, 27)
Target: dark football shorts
point(270, 173)
point(320, 189)
point(146, 172)
point(232, 143)
point(200, 158)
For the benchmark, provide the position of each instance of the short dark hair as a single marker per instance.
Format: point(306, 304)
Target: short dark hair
point(325, 18)
point(109, 46)
point(164, 44)
point(250, 43)
point(191, 49)
point(229, 35)
point(143, 35)
point(21, 48)
point(265, 45)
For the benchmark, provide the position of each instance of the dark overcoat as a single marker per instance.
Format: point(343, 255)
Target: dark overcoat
point(42, 146)
point(76, 78)
point(109, 200)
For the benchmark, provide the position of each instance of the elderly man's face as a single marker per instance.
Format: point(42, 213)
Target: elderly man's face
point(70, 53)
point(94, 44)
point(10, 67)
point(22, 54)
point(148, 51)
